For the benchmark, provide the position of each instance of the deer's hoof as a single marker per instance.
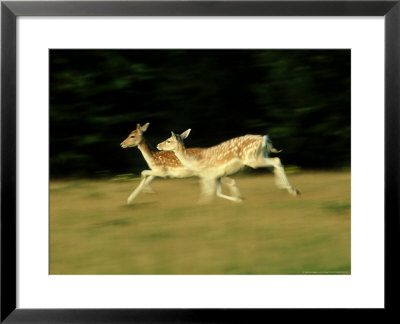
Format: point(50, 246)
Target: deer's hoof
point(239, 199)
point(294, 192)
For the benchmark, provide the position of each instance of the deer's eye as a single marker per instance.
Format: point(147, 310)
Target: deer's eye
point(168, 142)
point(132, 136)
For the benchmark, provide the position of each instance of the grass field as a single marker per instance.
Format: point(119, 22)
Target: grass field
point(93, 231)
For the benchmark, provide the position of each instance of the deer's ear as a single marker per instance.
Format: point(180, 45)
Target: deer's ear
point(173, 134)
point(185, 133)
point(144, 127)
point(137, 126)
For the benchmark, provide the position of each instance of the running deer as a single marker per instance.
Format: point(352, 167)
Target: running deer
point(165, 164)
point(210, 164)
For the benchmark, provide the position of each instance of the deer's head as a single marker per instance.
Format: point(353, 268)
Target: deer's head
point(135, 137)
point(172, 143)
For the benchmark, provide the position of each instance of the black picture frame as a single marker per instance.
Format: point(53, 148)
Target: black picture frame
point(10, 10)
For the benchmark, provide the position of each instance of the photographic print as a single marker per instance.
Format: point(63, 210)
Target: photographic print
point(200, 162)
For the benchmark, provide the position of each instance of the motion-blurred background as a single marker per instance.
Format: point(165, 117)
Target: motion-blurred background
point(301, 98)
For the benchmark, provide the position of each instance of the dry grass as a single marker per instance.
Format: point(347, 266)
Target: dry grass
point(93, 231)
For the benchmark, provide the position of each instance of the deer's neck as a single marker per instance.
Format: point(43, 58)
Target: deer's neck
point(147, 152)
point(187, 159)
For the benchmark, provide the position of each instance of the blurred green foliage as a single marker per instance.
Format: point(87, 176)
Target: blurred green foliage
point(301, 98)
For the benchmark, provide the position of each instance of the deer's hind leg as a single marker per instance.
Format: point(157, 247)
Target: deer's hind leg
point(281, 179)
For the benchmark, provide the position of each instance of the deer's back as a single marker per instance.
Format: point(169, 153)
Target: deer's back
point(239, 148)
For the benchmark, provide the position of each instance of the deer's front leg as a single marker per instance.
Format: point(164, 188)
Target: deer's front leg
point(147, 177)
point(208, 189)
point(146, 186)
point(233, 189)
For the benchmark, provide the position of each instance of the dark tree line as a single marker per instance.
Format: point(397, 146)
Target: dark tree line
point(301, 98)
